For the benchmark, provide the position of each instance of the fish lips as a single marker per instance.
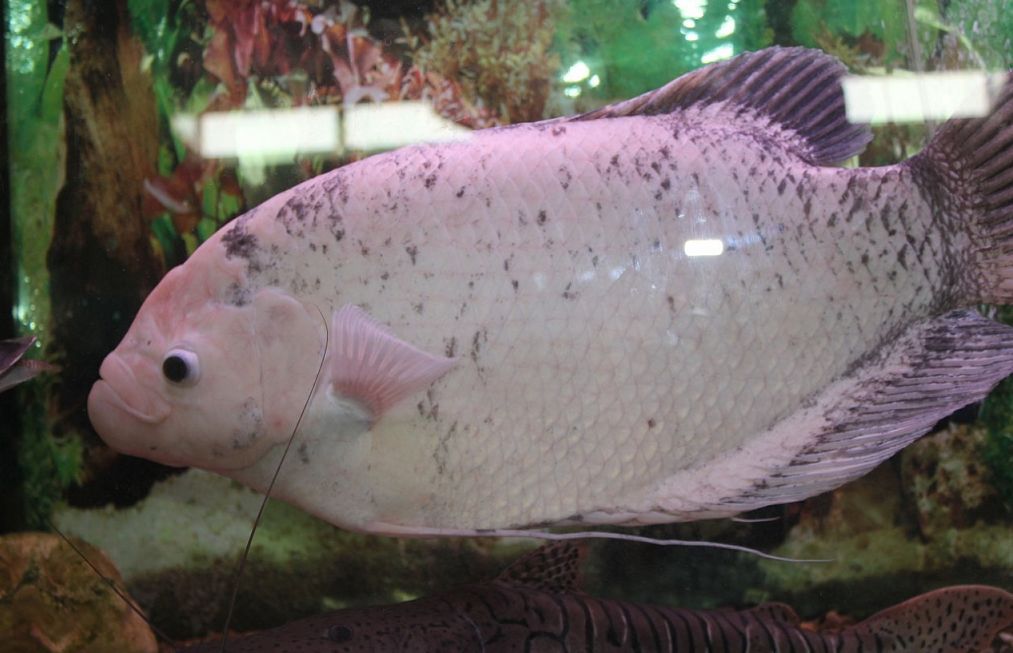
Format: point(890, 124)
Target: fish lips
point(117, 400)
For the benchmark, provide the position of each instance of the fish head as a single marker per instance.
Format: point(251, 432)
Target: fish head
point(210, 374)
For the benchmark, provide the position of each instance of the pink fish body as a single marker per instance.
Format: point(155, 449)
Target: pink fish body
point(517, 329)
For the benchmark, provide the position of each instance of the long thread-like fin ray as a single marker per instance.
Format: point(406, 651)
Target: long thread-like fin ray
point(270, 486)
point(393, 529)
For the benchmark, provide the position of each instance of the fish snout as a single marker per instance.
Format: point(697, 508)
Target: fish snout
point(118, 392)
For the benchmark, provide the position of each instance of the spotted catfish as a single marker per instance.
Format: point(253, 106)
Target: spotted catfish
point(671, 308)
point(537, 605)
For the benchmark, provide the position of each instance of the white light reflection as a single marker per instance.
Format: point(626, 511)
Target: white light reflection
point(371, 126)
point(278, 132)
point(282, 133)
point(919, 97)
point(727, 28)
point(703, 247)
point(578, 72)
point(691, 8)
point(724, 51)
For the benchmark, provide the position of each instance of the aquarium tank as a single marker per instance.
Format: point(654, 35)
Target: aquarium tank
point(137, 129)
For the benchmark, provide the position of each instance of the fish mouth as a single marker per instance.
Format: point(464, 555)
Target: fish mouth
point(118, 389)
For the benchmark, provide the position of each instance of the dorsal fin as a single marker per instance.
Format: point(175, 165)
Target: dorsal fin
point(796, 89)
point(779, 612)
point(555, 567)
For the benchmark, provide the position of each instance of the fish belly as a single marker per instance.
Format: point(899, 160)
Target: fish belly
point(628, 300)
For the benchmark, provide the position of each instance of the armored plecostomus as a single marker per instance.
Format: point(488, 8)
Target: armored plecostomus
point(538, 604)
point(517, 330)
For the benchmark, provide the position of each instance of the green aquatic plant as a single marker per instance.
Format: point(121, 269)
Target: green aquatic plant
point(498, 52)
point(878, 30)
point(631, 46)
point(983, 27)
point(35, 77)
point(997, 415)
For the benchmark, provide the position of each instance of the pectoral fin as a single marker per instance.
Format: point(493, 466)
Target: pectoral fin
point(370, 365)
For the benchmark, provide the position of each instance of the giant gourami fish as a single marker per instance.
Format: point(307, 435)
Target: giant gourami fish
point(538, 604)
point(515, 330)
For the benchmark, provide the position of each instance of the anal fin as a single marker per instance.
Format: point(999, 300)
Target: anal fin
point(932, 369)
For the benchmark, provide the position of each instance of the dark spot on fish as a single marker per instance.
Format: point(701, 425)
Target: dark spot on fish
point(451, 347)
point(558, 130)
point(782, 186)
point(568, 293)
point(476, 346)
point(337, 185)
point(671, 303)
point(542, 218)
point(443, 449)
point(339, 634)
point(567, 177)
point(460, 192)
point(239, 242)
point(384, 276)
point(418, 308)
point(430, 182)
point(412, 251)
point(237, 295)
point(614, 161)
point(666, 183)
point(514, 283)
point(780, 279)
point(338, 234)
point(303, 452)
point(651, 423)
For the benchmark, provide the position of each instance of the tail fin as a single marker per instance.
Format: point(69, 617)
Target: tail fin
point(958, 619)
point(968, 166)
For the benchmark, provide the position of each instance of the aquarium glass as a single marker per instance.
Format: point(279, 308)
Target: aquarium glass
point(137, 129)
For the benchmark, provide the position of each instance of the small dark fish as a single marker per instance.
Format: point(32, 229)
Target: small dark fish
point(537, 605)
point(14, 370)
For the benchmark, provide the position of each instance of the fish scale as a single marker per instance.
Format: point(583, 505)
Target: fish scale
point(510, 331)
point(629, 325)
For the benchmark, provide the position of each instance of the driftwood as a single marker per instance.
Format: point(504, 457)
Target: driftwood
point(100, 261)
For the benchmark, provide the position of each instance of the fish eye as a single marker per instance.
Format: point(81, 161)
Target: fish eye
point(339, 634)
point(181, 367)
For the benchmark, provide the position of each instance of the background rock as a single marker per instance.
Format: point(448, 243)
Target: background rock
point(52, 601)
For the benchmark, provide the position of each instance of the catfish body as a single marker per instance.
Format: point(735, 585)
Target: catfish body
point(537, 605)
point(516, 330)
